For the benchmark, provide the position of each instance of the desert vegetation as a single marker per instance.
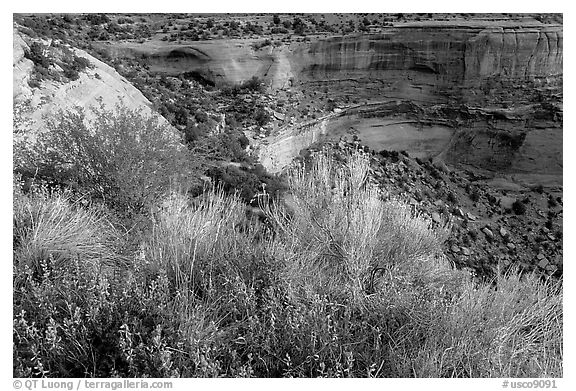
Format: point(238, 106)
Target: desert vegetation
point(46, 58)
point(149, 239)
point(121, 270)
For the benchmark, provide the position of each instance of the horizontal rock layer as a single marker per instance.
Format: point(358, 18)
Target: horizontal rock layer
point(422, 53)
point(457, 53)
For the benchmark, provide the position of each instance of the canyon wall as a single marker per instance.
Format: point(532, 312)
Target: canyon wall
point(420, 53)
point(481, 64)
point(464, 53)
point(279, 151)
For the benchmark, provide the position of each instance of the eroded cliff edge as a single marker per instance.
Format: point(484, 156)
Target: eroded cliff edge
point(429, 56)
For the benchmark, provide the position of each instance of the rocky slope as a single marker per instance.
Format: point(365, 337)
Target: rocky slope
point(488, 229)
point(97, 84)
point(519, 147)
point(502, 78)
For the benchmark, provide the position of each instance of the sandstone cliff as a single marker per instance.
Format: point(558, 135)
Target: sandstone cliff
point(417, 55)
point(459, 52)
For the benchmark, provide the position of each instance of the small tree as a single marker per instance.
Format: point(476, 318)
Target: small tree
point(261, 117)
point(123, 157)
point(518, 207)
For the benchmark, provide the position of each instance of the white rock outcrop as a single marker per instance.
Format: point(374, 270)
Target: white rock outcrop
point(98, 84)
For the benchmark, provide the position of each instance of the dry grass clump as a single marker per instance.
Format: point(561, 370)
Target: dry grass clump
point(50, 227)
point(195, 242)
point(510, 329)
point(340, 232)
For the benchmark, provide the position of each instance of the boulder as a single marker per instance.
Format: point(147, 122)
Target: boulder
point(543, 263)
point(489, 234)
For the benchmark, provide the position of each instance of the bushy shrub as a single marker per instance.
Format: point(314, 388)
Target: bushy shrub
point(348, 231)
point(38, 55)
point(261, 117)
point(253, 84)
point(519, 207)
point(71, 74)
point(120, 156)
point(234, 179)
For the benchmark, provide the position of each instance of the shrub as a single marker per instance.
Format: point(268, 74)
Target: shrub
point(552, 203)
point(192, 133)
point(34, 83)
point(475, 195)
point(236, 180)
point(451, 197)
point(38, 55)
point(81, 63)
point(71, 74)
point(347, 231)
point(120, 156)
point(261, 117)
point(260, 45)
point(519, 207)
point(253, 84)
point(97, 19)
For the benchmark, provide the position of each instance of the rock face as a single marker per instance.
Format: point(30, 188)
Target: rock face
point(461, 52)
point(279, 152)
point(100, 84)
point(217, 62)
point(406, 57)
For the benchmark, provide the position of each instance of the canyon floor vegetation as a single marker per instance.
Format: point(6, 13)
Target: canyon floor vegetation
point(122, 269)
